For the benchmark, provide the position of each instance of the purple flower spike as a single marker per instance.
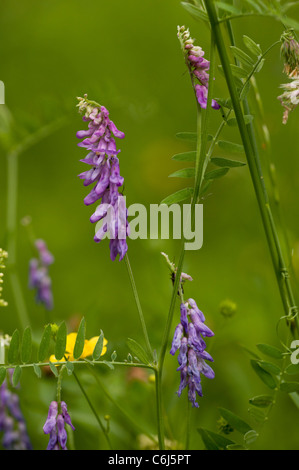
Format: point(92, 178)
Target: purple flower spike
point(12, 422)
point(198, 67)
point(105, 174)
point(55, 426)
point(192, 355)
point(39, 278)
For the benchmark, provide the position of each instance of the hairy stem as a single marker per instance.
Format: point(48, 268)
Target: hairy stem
point(254, 167)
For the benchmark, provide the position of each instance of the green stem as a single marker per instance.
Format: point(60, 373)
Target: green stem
point(201, 158)
point(93, 410)
point(252, 160)
point(139, 308)
point(12, 204)
point(120, 409)
point(12, 212)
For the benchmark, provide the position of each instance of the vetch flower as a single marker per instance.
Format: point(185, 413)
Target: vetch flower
point(88, 349)
point(188, 340)
point(39, 278)
point(290, 98)
point(290, 53)
point(12, 422)
point(198, 67)
point(55, 423)
point(104, 174)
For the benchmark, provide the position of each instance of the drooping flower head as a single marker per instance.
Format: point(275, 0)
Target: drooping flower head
point(55, 423)
point(104, 173)
point(39, 278)
point(198, 67)
point(290, 54)
point(3, 256)
point(188, 339)
point(12, 422)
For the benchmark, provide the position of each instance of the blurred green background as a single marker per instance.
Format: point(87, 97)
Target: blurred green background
point(125, 55)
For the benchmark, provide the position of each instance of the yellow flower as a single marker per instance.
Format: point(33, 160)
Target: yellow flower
point(89, 346)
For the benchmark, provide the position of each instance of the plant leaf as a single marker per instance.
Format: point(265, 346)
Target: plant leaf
point(185, 157)
point(138, 351)
point(13, 351)
point(53, 369)
point(244, 58)
point(292, 369)
point(80, 340)
point(265, 376)
point(270, 351)
point(69, 367)
point(237, 423)
point(214, 174)
point(270, 367)
point(98, 347)
point(189, 136)
point(230, 147)
point(16, 376)
point(229, 8)
point(238, 72)
point(179, 196)
point(37, 370)
point(183, 173)
point(209, 443)
point(226, 163)
point(261, 401)
point(196, 12)
point(252, 46)
point(60, 341)
point(26, 347)
point(250, 437)
point(44, 346)
point(220, 441)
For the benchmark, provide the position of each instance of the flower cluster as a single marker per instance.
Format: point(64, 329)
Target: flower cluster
point(12, 423)
point(3, 256)
point(89, 346)
point(188, 339)
point(55, 423)
point(105, 173)
point(290, 53)
point(290, 98)
point(39, 278)
point(198, 67)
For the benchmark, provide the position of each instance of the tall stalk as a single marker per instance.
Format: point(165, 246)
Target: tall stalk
point(200, 165)
point(247, 136)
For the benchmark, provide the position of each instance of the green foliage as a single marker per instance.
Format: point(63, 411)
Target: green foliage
point(80, 339)
point(237, 423)
point(263, 374)
point(60, 344)
point(138, 351)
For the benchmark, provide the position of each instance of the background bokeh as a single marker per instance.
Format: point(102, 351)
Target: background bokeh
point(125, 55)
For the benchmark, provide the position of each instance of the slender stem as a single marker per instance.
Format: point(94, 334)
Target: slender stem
point(201, 158)
point(120, 409)
point(12, 204)
point(253, 161)
point(139, 308)
point(12, 212)
point(93, 410)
